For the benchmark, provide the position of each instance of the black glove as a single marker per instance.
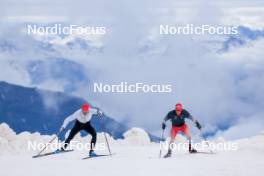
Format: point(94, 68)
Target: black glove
point(198, 125)
point(163, 126)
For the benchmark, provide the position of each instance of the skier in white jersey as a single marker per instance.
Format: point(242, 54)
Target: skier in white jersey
point(82, 117)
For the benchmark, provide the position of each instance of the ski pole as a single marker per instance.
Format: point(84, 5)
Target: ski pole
point(109, 150)
point(207, 143)
point(162, 139)
point(107, 143)
point(49, 143)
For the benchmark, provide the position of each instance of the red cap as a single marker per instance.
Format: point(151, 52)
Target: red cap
point(178, 107)
point(85, 107)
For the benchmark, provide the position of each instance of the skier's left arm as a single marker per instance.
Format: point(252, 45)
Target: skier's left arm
point(197, 124)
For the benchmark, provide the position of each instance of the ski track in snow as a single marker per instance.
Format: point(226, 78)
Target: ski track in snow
point(136, 161)
point(134, 156)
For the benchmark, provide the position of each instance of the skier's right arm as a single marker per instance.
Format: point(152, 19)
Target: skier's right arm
point(163, 126)
point(68, 120)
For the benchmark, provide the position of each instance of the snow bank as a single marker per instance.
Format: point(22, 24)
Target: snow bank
point(4, 147)
point(254, 142)
point(7, 136)
point(12, 143)
point(220, 139)
point(6, 132)
point(137, 136)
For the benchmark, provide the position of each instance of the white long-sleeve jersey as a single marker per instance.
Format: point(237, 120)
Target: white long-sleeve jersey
point(78, 115)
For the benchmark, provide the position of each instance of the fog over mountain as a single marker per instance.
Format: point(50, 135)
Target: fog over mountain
point(219, 79)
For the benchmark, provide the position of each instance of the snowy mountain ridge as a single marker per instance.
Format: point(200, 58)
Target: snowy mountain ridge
point(36, 110)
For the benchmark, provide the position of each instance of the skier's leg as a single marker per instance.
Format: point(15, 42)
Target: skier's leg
point(89, 129)
point(173, 133)
point(74, 131)
point(187, 133)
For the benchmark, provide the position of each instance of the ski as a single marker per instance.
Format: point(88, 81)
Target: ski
point(51, 153)
point(90, 157)
point(201, 152)
point(197, 152)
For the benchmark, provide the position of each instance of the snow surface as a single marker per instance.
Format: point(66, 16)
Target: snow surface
point(135, 155)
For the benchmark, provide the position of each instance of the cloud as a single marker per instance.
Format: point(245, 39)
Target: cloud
point(246, 127)
point(218, 88)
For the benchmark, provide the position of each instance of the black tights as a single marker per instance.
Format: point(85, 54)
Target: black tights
point(77, 128)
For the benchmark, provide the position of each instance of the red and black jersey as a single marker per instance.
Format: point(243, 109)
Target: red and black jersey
point(178, 120)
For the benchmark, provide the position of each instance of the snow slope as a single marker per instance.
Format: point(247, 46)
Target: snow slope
point(137, 158)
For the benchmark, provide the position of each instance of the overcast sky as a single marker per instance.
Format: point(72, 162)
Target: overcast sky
point(221, 89)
